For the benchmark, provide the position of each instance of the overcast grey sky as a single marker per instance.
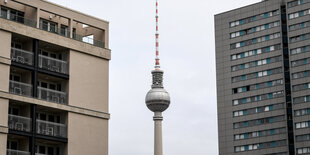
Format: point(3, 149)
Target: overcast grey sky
point(188, 58)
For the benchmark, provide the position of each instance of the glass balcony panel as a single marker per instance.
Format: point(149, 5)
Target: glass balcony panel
point(16, 152)
point(53, 64)
point(20, 88)
point(21, 56)
point(19, 123)
point(51, 129)
point(52, 95)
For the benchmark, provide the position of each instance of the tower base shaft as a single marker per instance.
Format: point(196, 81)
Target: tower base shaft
point(158, 142)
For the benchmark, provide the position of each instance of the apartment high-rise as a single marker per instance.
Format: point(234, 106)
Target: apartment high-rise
point(54, 71)
point(263, 84)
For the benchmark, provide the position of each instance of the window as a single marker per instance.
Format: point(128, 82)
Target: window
point(254, 40)
point(254, 29)
point(301, 125)
point(64, 30)
point(13, 145)
point(256, 52)
point(48, 26)
point(12, 14)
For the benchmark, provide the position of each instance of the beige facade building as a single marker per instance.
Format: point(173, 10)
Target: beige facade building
point(54, 76)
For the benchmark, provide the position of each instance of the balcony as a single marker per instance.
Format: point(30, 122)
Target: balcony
point(19, 123)
point(51, 129)
point(52, 95)
point(53, 64)
point(21, 56)
point(16, 152)
point(20, 88)
point(19, 19)
point(88, 40)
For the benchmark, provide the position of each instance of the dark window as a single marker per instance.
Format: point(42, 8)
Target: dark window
point(52, 86)
point(42, 149)
point(64, 30)
point(50, 151)
point(13, 145)
point(4, 13)
point(51, 118)
point(43, 85)
point(43, 117)
point(53, 55)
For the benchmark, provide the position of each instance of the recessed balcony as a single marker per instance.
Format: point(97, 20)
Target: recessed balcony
point(21, 56)
point(19, 123)
point(51, 129)
point(53, 64)
point(52, 95)
point(20, 88)
point(18, 16)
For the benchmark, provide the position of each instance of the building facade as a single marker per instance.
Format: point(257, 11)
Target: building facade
point(54, 67)
point(263, 84)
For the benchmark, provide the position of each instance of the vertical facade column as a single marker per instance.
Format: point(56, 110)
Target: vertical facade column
point(32, 139)
point(35, 50)
point(158, 142)
point(71, 27)
point(38, 18)
point(287, 82)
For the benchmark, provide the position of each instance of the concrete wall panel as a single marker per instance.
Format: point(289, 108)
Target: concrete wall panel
point(88, 85)
point(87, 135)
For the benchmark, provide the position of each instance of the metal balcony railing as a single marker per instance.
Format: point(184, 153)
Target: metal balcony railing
point(21, 56)
point(53, 64)
point(16, 152)
point(88, 40)
point(51, 129)
point(20, 88)
point(52, 95)
point(19, 19)
point(19, 123)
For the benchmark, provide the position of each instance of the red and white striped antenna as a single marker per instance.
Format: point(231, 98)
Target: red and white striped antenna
point(157, 66)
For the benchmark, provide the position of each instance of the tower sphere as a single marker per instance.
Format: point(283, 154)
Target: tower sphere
point(157, 99)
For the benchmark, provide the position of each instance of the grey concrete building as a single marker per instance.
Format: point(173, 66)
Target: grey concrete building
point(263, 78)
point(54, 76)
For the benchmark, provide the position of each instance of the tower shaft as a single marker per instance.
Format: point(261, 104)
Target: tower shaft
point(158, 142)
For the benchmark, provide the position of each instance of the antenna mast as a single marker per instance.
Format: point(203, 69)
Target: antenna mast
point(157, 66)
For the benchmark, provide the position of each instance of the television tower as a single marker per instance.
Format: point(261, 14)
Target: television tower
point(157, 99)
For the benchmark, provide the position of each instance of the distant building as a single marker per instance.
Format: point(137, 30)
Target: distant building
point(263, 84)
point(54, 71)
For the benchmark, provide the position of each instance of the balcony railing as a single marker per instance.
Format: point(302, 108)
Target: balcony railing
point(52, 95)
point(16, 152)
point(20, 88)
point(88, 40)
point(19, 19)
point(53, 64)
point(51, 129)
point(21, 56)
point(19, 123)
